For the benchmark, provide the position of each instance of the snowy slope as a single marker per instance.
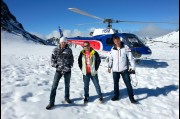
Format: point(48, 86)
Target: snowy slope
point(172, 39)
point(26, 79)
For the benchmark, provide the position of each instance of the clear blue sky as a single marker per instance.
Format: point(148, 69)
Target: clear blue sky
point(44, 16)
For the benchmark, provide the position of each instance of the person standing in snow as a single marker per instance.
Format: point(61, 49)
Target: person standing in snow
point(89, 62)
point(62, 59)
point(118, 63)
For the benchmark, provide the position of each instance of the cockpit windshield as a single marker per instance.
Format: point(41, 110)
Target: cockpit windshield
point(133, 41)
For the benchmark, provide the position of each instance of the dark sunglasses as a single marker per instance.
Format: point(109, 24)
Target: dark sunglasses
point(86, 46)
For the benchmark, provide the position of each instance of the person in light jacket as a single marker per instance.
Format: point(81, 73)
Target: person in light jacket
point(62, 59)
point(89, 62)
point(118, 62)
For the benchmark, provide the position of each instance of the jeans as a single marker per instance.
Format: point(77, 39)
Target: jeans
point(95, 80)
point(57, 77)
point(127, 81)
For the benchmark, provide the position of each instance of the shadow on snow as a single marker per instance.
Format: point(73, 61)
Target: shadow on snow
point(153, 63)
point(140, 91)
point(123, 94)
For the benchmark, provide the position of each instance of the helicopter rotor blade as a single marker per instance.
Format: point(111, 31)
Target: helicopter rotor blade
point(117, 21)
point(90, 23)
point(110, 21)
point(84, 13)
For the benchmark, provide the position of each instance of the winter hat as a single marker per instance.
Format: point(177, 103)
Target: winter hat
point(63, 39)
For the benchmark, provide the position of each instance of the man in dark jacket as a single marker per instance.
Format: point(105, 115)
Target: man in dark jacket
point(89, 62)
point(62, 59)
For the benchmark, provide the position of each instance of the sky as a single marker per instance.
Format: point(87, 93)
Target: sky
point(43, 17)
point(27, 77)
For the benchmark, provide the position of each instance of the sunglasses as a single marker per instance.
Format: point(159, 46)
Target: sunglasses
point(86, 46)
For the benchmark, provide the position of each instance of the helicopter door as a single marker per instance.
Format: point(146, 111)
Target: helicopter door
point(135, 44)
point(108, 43)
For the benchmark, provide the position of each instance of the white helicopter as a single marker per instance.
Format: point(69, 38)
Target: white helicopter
point(102, 39)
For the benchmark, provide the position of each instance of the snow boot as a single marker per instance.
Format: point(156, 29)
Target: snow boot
point(115, 98)
point(49, 106)
point(68, 101)
point(85, 100)
point(101, 100)
point(133, 101)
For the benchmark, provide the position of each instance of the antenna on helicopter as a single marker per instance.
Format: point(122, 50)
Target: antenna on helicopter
point(110, 21)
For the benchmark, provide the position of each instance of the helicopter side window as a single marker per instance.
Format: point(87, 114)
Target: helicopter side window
point(134, 42)
point(109, 41)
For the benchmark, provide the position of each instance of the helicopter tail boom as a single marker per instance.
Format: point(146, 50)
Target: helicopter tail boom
point(97, 45)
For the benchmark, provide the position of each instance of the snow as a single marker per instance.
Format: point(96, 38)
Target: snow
point(172, 37)
point(26, 79)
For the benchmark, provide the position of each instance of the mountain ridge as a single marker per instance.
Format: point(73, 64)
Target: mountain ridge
point(9, 23)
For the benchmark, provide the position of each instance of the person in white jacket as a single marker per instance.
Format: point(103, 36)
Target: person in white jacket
point(118, 62)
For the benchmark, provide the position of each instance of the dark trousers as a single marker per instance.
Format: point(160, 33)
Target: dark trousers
point(95, 80)
point(127, 81)
point(57, 77)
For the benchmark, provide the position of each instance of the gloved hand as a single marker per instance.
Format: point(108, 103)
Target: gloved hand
point(54, 65)
point(70, 66)
point(109, 70)
point(131, 71)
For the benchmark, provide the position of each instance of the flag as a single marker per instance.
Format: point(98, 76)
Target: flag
point(60, 32)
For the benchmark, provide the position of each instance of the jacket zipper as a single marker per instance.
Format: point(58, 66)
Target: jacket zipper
point(118, 60)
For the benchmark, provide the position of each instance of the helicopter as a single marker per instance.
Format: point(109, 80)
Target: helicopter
point(102, 39)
